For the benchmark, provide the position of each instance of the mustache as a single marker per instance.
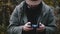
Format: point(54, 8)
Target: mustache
point(33, 0)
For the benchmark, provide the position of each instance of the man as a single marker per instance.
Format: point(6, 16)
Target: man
point(30, 12)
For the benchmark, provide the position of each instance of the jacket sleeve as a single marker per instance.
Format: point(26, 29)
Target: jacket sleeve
point(14, 27)
point(51, 27)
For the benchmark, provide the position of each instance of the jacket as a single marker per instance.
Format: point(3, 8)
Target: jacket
point(19, 18)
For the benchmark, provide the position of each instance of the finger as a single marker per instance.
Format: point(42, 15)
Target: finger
point(38, 28)
point(42, 27)
point(29, 28)
point(40, 23)
point(28, 22)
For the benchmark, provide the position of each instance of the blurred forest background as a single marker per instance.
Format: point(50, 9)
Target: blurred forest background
point(7, 6)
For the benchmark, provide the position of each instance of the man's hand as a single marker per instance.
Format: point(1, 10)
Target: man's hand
point(27, 27)
point(41, 28)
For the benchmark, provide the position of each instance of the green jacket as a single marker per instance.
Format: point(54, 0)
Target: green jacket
point(19, 18)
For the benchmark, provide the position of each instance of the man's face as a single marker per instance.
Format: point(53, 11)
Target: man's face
point(33, 3)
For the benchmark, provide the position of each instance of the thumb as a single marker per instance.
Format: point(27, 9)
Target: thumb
point(28, 22)
point(40, 23)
